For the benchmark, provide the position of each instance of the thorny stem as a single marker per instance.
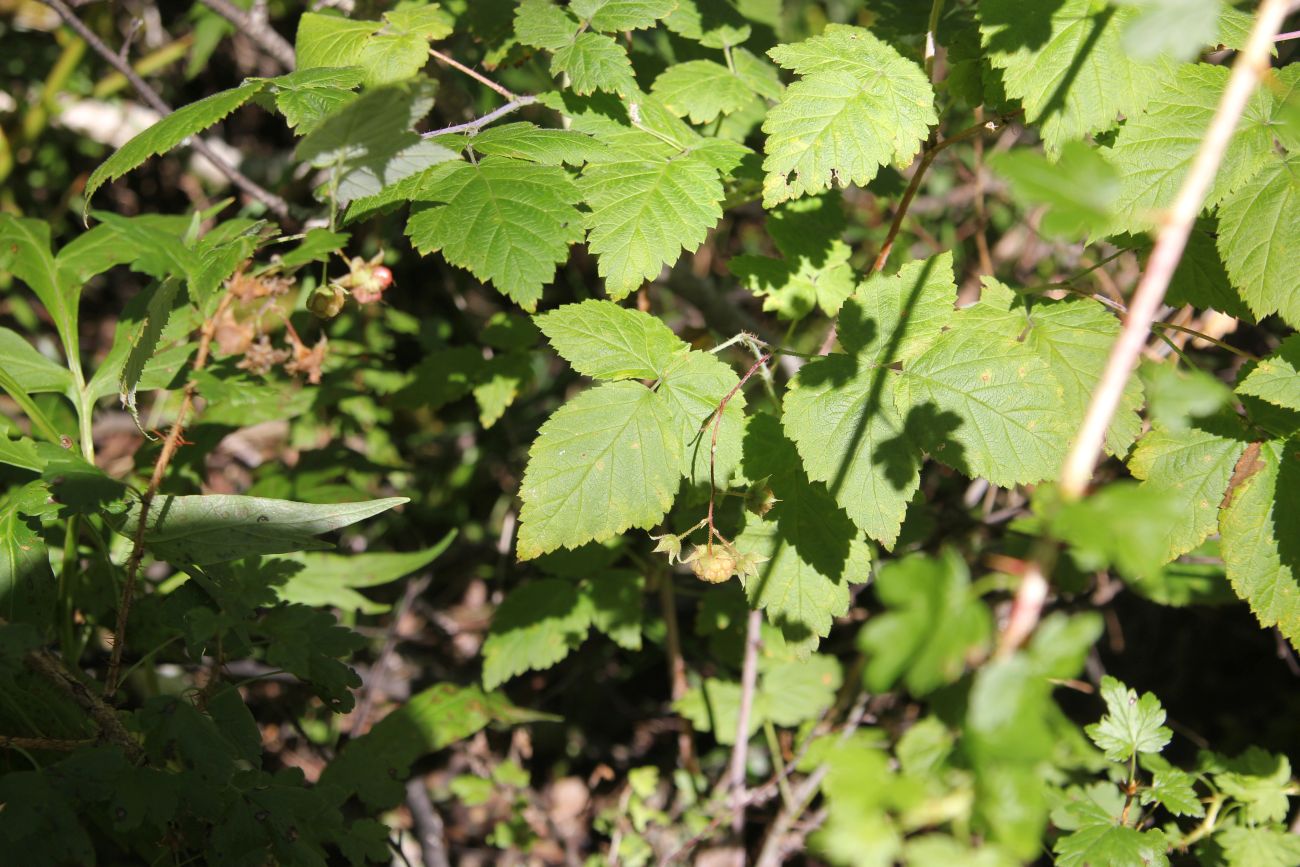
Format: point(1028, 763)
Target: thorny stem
point(170, 445)
point(477, 76)
point(1171, 240)
point(274, 203)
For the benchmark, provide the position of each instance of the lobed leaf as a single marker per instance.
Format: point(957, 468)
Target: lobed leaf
point(605, 341)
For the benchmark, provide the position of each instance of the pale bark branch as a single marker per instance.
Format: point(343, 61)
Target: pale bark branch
point(256, 29)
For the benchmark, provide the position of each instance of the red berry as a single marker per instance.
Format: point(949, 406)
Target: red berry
point(382, 276)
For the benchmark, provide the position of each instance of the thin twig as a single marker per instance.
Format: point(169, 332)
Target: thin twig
point(274, 203)
point(480, 122)
point(713, 444)
point(15, 742)
point(409, 595)
point(931, 46)
point(740, 752)
point(256, 29)
point(1251, 64)
point(477, 76)
point(169, 447)
point(676, 669)
point(428, 824)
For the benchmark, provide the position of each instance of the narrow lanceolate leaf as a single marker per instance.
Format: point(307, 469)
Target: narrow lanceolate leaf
point(217, 528)
point(983, 403)
point(594, 61)
point(170, 132)
point(1276, 379)
point(526, 141)
point(1259, 239)
point(144, 342)
point(693, 387)
point(1260, 525)
point(605, 341)
point(645, 212)
point(1067, 64)
point(27, 587)
point(33, 372)
point(1192, 468)
point(609, 16)
point(537, 625)
point(842, 416)
point(604, 462)
point(701, 90)
point(505, 221)
point(859, 106)
point(1154, 149)
point(25, 253)
point(813, 550)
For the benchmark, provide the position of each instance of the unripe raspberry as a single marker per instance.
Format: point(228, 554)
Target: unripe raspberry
point(714, 566)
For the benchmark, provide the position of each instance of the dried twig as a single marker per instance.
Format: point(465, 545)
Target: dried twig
point(170, 445)
point(274, 203)
point(1251, 64)
point(362, 714)
point(472, 73)
point(15, 742)
point(740, 752)
point(676, 669)
point(256, 29)
point(428, 824)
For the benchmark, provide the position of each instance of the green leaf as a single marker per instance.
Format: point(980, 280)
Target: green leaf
point(391, 50)
point(1276, 379)
point(28, 592)
point(1172, 789)
point(1191, 469)
point(1177, 28)
point(505, 221)
point(842, 415)
point(932, 625)
point(144, 342)
point(813, 549)
point(526, 141)
point(369, 146)
point(712, 23)
point(1080, 189)
point(1132, 724)
point(701, 90)
point(308, 96)
point(537, 625)
point(542, 24)
point(1201, 280)
point(1259, 847)
point(332, 579)
point(594, 61)
point(794, 691)
point(1155, 148)
point(1260, 524)
point(1067, 65)
point(1176, 396)
point(606, 461)
point(985, 404)
point(645, 212)
point(25, 252)
point(692, 388)
point(895, 318)
point(170, 132)
point(860, 105)
point(1111, 845)
point(1261, 781)
point(1124, 525)
point(605, 341)
point(218, 527)
point(33, 372)
point(1259, 238)
point(608, 16)
point(616, 606)
point(1074, 337)
point(373, 765)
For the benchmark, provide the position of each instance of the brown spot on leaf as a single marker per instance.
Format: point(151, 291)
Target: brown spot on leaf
point(1247, 465)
